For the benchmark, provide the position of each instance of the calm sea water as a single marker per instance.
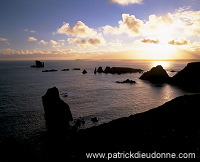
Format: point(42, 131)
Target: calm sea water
point(89, 95)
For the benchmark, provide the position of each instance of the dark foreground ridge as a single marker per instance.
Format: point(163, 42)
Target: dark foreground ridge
point(170, 128)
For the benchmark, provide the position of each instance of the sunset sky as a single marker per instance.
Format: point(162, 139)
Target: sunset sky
point(99, 29)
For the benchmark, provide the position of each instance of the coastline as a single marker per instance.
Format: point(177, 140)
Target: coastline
point(170, 128)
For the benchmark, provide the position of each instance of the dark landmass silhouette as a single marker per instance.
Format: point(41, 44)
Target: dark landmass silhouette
point(188, 78)
point(190, 75)
point(172, 127)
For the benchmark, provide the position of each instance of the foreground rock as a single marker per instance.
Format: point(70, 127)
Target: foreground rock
point(57, 113)
point(156, 74)
point(38, 64)
point(171, 128)
point(189, 76)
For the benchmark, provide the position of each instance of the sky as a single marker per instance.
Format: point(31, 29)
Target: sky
point(99, 29)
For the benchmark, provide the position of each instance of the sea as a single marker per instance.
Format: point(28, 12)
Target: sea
point(88, 95)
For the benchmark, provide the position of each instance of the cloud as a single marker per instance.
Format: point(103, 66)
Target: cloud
point(129, 24)
point(178, 42)
point(30, 31)
point(79, 30)
point(190, 21)
point(9, 51)
point(53, 42)
point(150, 41)
point(111, 30)
point(57, 44)
point(43, 42)
point(5, 40)
point(126, 2)
point(89, 41)
point(182, 23)
point(31, 39)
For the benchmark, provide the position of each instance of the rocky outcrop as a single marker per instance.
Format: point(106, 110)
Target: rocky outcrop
point(57, 113)
point(38, 64)
point(51, 70)
point(65, 70)
point(76, 69)
point(156, 74)
point(95, 70)
point(84, 71)
point(127, 81)
point(107, 69)
point(189, 76)
point(100, 70)
point(122, 70)
point(118, 70)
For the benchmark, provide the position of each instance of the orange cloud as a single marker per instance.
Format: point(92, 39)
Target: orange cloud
point(150, 41)
point(5, 40)
point(178, 42)
point(31, 39)
point(89, 41)
point(43, 42)
point(79, 30)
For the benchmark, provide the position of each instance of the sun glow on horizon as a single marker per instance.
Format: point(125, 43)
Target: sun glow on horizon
point(160, 51)
point(164, 64)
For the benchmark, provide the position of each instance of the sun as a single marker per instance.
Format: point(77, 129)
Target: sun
point(160, 51)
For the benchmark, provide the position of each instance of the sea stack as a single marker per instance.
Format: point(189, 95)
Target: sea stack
point(156, 75)
point(57, 113)
point(95, 70)
point(100, 70)
point(84, 71)
point(38, 64)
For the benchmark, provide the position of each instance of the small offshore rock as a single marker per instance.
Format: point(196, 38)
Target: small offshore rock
point(38, 64)
point(84, 71)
